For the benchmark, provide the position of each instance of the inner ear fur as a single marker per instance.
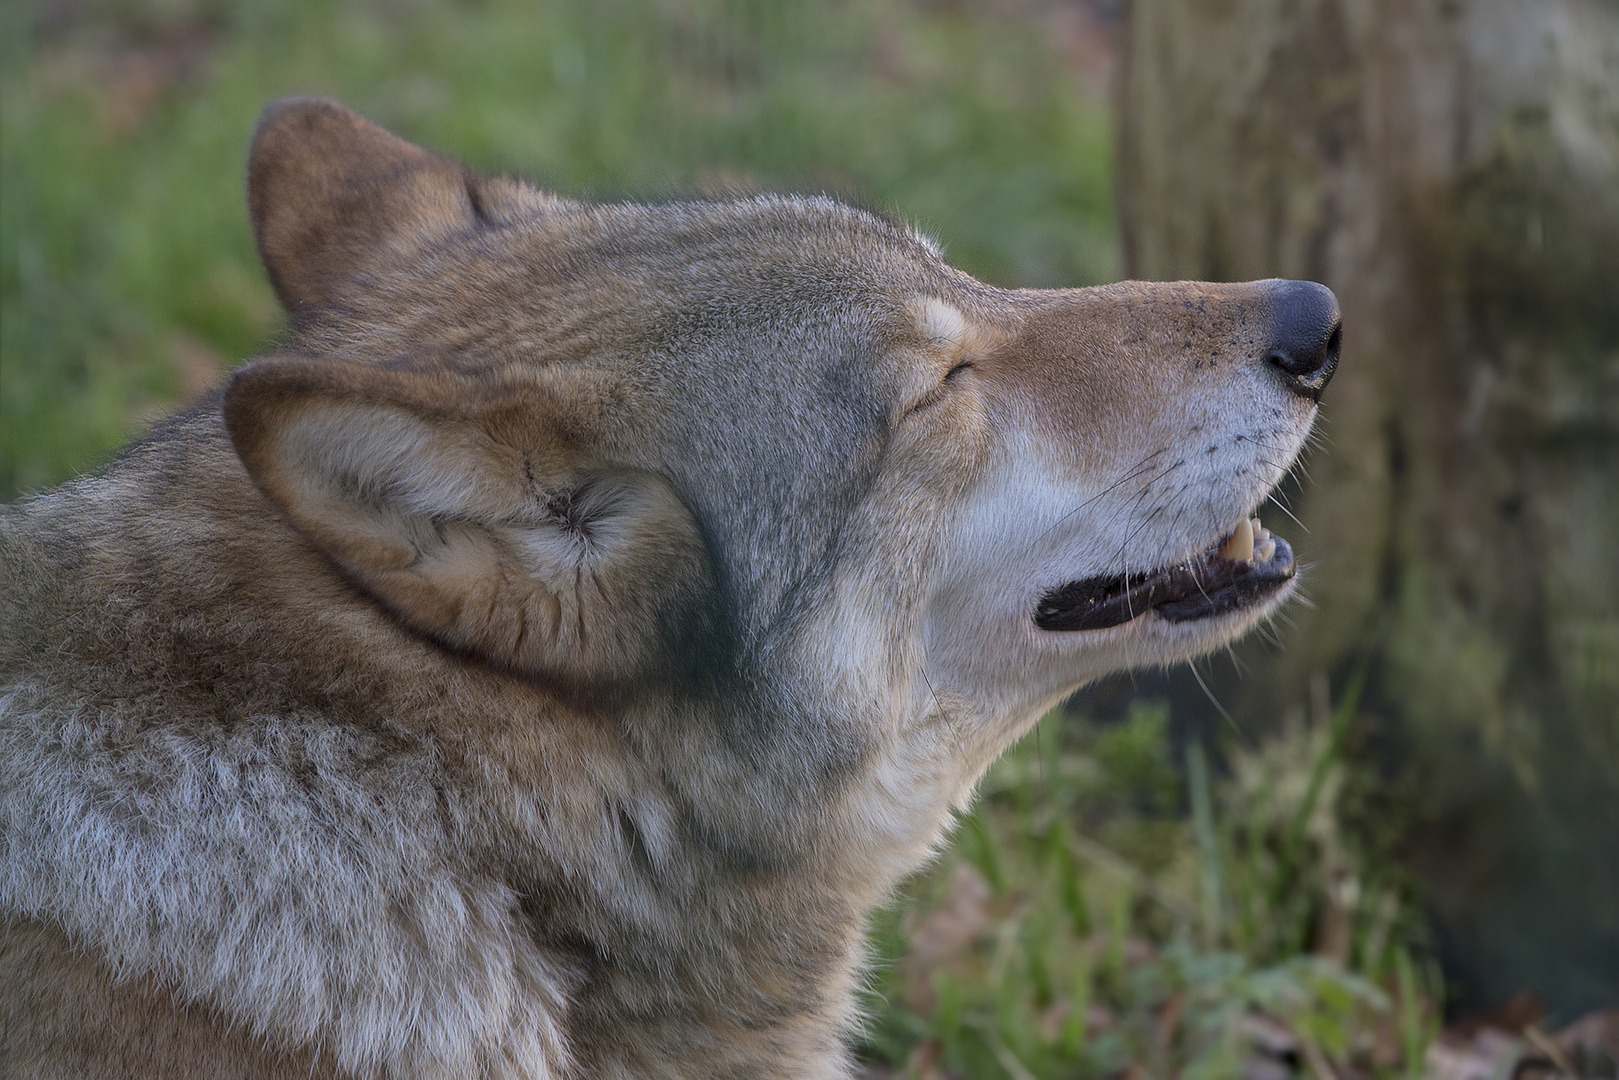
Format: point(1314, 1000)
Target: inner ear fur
point(327, 190)
point(477, 513)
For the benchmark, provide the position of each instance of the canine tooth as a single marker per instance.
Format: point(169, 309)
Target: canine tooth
point(1264, 549)
point(1240, 547)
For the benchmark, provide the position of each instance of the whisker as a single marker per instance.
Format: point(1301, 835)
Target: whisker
point(1142, 524)
point(937, 707)
point(1214, 701)
point(1283, 508)
point(1257, 442)
point(1135, 470)
point(1236, 661)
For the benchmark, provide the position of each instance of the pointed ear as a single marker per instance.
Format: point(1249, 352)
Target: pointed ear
point(327, 190)
point(476, 512)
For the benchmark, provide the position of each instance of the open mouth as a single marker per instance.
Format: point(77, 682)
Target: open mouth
point(1237, 572)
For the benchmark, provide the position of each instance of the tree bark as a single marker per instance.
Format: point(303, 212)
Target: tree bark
point(1451, 169)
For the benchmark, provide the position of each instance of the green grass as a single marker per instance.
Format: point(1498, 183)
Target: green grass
point(1102, 910)
point(127, 273)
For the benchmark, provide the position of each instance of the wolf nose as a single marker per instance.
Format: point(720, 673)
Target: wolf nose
point(1308, 332)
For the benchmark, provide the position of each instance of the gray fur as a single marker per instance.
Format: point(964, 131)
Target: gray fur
point(565, 708)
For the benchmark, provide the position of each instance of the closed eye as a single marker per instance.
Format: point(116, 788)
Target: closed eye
point(934, 396)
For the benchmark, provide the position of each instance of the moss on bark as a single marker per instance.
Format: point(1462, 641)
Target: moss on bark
point(1451, 169)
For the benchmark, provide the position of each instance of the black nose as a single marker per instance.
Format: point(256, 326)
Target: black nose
point(1307, 334)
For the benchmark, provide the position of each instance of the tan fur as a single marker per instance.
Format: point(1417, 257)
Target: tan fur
point(542, 664)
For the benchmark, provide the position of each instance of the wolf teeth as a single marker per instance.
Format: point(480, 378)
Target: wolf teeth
point(1239, 547)
point(1264, 543)
point(1249, 542)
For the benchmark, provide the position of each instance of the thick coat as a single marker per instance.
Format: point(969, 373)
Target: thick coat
point(541, 664)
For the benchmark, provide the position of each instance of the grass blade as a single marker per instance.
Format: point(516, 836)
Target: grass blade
point(1287, 860)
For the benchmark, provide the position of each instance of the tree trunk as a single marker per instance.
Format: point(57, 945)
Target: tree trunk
point(1451, 169)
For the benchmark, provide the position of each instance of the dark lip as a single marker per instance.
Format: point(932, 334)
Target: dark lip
point(1196, 589)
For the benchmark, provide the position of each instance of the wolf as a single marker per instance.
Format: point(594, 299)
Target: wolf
point(542, 663)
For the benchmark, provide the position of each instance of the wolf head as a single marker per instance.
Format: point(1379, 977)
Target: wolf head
point(601, 445)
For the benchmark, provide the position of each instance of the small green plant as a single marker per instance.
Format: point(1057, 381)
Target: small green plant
point(1103, 912)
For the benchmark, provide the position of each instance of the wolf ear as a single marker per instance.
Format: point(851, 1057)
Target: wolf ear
point(326, 189)
point(470, 511)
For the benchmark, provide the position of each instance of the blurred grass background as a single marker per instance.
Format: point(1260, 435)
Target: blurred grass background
point(1124, 901)
point(127, 273)
point(1115, 907)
